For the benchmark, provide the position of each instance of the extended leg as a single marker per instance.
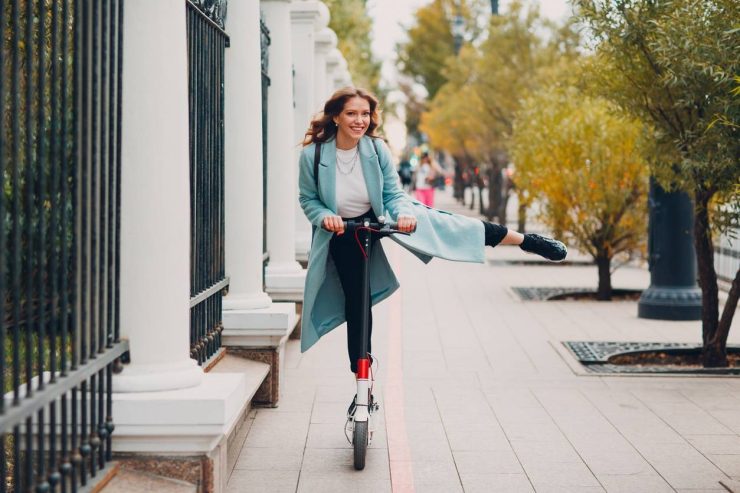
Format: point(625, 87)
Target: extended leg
point(549, 248)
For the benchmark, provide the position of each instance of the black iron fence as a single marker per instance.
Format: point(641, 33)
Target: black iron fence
point(60, 80)
point(264, 45)
point(207, 43)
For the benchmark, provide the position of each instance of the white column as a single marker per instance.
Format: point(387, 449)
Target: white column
point(332, 65)
point(325, 42)
point(339, 74)
point(250, 318)
point(155, 200)
point(307, 17)
point(284, 277)
point(348, 79)
point(243, 159)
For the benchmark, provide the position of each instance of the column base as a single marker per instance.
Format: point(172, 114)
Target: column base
point(302, 246)
point(285, 282)
point(156, 378)
point(185, 434)
point(260, 335)
point(241, 301)
point(670, 303)
point(261, 328)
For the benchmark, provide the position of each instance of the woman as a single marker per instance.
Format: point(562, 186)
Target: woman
point(356, 179)
point(425, 176)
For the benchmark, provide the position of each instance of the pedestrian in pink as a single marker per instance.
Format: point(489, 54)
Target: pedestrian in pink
point(424, 185)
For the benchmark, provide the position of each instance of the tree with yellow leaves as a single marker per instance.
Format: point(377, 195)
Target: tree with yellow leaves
point(586, 162)
point(474, 109)
point(675, 64)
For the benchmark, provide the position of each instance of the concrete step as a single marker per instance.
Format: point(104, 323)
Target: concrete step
point(256, 373)
point(127, 481)
point(141, 472)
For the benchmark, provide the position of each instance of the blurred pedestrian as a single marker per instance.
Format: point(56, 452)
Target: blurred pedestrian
point(405, 172)
point(426, 175)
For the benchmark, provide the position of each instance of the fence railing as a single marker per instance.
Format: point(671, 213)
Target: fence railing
point(60, 94)
point(727, 257)
point(207, 43)
point(264, 45)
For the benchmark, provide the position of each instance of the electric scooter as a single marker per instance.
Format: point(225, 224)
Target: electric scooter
point(358, 424)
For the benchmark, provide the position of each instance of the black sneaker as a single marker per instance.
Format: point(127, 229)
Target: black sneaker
point(546, 247)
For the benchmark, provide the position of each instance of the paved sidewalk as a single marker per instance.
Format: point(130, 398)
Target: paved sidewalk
point(475, 397)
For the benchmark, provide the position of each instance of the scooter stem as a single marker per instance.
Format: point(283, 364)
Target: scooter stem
point(365, 307)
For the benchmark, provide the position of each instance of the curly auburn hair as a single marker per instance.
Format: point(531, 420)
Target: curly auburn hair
point(322, 127)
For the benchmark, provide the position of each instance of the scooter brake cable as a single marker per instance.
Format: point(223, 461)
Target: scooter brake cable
point(357, 230)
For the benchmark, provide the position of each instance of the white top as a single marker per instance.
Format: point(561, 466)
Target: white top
point(422, 174)
point(352, 196)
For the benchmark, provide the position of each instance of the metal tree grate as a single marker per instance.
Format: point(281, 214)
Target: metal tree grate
point(547, 293)
point(594, 356)
point(538, 293)
point(601, 351)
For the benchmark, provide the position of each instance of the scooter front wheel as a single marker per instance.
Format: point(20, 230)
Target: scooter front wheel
point(359, 441)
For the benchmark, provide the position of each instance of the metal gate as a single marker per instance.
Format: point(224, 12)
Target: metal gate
point(207, 43)
point(265, 46)
point(727, 255)
point(60, 93)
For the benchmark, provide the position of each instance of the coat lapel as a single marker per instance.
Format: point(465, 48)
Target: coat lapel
point(328, 175)
point(371, 172)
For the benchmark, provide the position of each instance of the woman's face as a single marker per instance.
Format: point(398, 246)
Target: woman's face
point(353, 121)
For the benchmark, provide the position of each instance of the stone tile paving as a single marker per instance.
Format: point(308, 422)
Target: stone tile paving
point(475, 398)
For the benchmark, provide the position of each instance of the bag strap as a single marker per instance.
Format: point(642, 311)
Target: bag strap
point(317, 157)
point(375, 145)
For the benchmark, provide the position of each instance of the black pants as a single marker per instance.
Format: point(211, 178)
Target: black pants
point(348, 260)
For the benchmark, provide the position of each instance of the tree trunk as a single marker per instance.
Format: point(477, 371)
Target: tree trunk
point(604, 264)
point(481, 208)
point(494, 191)
point(718, 344)
point(715, 348)
point(522, 217)
point(458, 188)
point(502, 208)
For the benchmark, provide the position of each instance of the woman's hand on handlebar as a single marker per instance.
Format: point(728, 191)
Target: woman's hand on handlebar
point(407, 224)
point(334, 224)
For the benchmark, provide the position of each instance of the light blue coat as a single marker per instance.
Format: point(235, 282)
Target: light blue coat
point(438, 233)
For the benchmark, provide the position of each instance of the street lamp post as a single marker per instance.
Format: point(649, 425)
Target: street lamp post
point(673, 294)
point(458, 30)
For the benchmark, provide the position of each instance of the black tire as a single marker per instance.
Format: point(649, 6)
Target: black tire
point(359, 441)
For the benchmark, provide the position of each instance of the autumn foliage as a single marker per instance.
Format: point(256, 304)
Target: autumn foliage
point(584, 162)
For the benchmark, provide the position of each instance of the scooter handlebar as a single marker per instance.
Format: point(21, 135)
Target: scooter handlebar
point(384, 229)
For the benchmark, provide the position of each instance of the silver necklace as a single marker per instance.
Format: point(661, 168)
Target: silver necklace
point(351, 163)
